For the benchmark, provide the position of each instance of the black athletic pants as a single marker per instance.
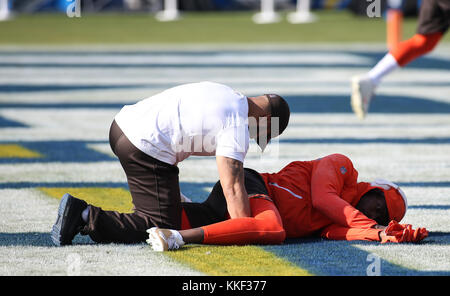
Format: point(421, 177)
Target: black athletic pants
point(214, 208)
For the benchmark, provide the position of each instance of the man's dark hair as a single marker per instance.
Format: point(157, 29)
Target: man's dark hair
point(279, 108)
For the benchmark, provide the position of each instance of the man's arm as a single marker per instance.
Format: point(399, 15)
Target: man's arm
point(328, 179)
point(338, 232)
point(231, 175)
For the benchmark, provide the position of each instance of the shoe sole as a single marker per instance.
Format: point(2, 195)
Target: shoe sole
point(56, 229)
point(157, 243)
point(356, 99)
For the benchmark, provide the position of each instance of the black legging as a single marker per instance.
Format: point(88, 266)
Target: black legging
point(214, 208)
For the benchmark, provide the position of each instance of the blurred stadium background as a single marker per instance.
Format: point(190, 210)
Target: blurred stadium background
point(205, 21)
point(31, 6)
point(92, 6)
point(66, 70)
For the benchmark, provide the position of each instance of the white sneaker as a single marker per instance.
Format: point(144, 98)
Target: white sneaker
point(363, 90)
point(164, 239)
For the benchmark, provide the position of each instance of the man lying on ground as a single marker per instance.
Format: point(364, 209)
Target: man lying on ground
point(433, 23)
point(306, 198)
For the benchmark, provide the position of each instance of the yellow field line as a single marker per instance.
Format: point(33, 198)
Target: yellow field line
point(17, 151)
point(109, 199)
point(235, 261)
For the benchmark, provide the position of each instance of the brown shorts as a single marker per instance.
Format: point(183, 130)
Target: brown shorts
point(434, 16)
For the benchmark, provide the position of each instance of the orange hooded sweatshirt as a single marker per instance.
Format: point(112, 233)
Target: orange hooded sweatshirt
point(308, 198)
point(320, 196)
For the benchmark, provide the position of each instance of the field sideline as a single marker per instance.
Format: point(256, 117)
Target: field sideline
point(56, 106)
point(193, 28)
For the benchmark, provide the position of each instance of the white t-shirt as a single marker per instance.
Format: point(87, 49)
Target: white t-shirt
point(204, 118)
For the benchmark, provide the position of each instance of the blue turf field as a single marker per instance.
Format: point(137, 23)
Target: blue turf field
point(56, 107)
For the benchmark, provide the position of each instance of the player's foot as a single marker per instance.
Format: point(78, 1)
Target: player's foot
point(164, 239)
point(69, 221)
point(362, 92)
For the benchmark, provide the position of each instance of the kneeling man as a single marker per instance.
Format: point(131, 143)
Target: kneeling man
point(152, 136)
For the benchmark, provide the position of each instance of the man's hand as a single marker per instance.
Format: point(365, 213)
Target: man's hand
point(231, 175)
point(401, 233)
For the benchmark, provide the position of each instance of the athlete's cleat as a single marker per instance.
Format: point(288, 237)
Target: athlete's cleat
point(69, 221)
point(164, 239)
point(362, 92)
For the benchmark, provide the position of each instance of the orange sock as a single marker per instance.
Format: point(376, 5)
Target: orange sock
point(265, 227)
point(415, 47)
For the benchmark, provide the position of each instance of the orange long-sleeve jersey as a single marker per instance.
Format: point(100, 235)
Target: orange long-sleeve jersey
point(320, 196)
